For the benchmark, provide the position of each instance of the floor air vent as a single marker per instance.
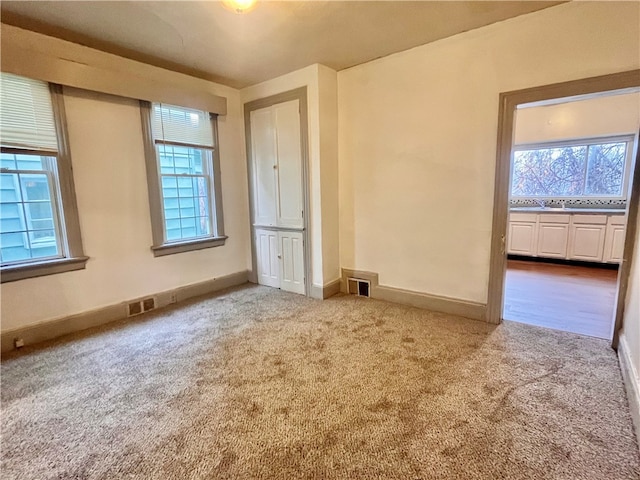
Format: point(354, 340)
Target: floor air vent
point(359, 287)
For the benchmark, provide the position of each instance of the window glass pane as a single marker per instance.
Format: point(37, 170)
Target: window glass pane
point(28, 217)
point(605, 169)
point(9, 190)
point(43, 243)
point(185, 196)
point(549, 172)
point(7, 160)
point(165, 155)
point(34, 187)
point(14, 247)
point(29, 162)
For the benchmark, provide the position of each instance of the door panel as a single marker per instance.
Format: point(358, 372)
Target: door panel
point(552, 240)
point(522, 238)
point(614, 243)
point(263, 151)
point(292, 262)
point(290, 204)
point(587, 242)
point(268, 264)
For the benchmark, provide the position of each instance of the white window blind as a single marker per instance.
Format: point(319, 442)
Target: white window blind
point(26, 114)
point(181, 125)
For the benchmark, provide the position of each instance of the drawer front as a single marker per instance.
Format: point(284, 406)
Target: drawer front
point(523, 217)
point(616, 220)
point(590, 219)
point(555, 218)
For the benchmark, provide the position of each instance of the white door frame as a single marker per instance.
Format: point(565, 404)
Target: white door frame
point(508, 103)
point(299, 94)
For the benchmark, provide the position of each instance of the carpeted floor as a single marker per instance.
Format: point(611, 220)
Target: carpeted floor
point(256, 383)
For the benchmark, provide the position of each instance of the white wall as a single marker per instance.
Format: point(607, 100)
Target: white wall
point(594, 117)
point(417, 136)
point(105, 137)
point(321, 83)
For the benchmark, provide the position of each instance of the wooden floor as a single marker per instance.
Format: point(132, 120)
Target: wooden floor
point(563, 297)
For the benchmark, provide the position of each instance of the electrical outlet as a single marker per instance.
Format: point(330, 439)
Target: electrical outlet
point(173, 298)
point(148, 304)
point(18, 342)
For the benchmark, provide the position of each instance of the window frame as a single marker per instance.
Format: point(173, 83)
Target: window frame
point(161, 246)
point(629, 139)
point(63, 196)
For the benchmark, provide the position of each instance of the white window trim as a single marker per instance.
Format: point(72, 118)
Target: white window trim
point(73, 257)
point(627, 138)
point(160, 245)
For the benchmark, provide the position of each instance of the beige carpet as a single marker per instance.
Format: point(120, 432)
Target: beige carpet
point(256, 383)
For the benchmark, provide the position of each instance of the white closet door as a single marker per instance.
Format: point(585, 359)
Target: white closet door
point(264, 153)
point(292, 262)
point(290, 201)
point(268, 262)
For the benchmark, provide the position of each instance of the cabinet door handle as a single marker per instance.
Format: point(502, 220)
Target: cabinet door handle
point(280, 256)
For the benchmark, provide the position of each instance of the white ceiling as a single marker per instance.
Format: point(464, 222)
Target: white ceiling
point(206, 40)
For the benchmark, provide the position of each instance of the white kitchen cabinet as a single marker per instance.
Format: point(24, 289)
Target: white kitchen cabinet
point(614, 239)
point(575, 236)
point(587, 236)
point(280, 259)
point(552, 239)
point(522, 235)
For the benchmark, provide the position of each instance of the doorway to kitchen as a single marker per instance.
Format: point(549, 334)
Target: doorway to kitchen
point(561, 252)
point(568, 192)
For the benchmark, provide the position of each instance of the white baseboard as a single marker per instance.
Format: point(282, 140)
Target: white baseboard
point(631, 382)
point(51, 329)
point(453, 306)
point(326, 291)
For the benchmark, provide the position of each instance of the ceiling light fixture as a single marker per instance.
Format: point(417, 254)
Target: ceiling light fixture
point(239, 6)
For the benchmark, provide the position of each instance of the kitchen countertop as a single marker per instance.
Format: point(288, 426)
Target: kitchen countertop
point(568, 210)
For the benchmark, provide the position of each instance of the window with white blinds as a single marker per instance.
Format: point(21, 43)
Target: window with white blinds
point(178, 125)
point(26, 114)
point(184, 178)
point(39, 228)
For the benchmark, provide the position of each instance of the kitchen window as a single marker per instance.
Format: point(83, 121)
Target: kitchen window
point(39, 228)
point(597, 168)
point(183, 173)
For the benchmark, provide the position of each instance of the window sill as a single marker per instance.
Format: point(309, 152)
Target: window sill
point(12, 273)
point(171, 248)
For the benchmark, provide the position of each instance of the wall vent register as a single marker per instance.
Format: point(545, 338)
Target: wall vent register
point(359, 287)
